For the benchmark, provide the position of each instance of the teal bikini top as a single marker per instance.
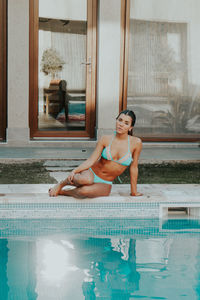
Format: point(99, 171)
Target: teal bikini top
point(126, 160)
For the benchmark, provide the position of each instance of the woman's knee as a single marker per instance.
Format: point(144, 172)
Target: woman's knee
point(83, 178)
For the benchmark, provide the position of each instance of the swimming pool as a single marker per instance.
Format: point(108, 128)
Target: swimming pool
point(100, 259)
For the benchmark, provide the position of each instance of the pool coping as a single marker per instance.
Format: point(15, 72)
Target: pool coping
point(22, 201)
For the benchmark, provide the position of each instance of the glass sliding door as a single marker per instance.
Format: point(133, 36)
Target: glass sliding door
point(163, 68)
point(3, 68)
point(65, 68)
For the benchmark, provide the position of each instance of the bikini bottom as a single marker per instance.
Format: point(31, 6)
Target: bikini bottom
point(97, 179)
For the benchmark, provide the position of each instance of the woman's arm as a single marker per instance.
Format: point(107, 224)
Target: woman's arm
point(90, 161)
point(134, 169)
point(84, 166)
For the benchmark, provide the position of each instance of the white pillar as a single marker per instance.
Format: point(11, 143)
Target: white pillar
point(18, 72)
point(108, 65)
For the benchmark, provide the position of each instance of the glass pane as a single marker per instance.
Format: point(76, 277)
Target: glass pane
point(62, 68)
point(164, 67)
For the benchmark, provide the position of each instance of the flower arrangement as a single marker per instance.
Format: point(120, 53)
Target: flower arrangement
point(51, 62)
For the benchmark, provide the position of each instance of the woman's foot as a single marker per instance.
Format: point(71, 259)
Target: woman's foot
point(54, 191)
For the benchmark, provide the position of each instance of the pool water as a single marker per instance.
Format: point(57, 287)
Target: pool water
point(99, 259)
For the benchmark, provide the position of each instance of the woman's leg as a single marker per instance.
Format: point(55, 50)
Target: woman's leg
point(88, 191)
point(84, 178)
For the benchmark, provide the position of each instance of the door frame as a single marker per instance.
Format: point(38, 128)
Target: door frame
point(89, 132)
point(3, 69)
point(125, 32)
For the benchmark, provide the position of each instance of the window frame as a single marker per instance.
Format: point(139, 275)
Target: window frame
point(3, 69)
point(89, 132)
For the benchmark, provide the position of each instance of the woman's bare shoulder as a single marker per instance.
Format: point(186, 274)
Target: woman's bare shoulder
point(105, 139)
point(136, 142)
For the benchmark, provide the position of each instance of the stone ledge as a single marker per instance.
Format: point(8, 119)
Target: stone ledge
point(32, 201)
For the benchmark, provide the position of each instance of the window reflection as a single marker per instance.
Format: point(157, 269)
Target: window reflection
point(163, 68)
point(62, 72)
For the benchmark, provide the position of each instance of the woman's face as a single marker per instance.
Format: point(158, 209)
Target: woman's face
point(123, 123)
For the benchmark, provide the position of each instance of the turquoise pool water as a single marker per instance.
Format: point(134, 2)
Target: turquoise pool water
point(99, 259)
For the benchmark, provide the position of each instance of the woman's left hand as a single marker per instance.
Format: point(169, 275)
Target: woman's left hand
point(71, 177)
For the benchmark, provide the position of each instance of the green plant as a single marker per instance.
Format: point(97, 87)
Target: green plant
point(183, 110)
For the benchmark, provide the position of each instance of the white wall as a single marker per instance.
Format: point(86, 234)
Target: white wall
point(67, 10)
point(18, 71)
point(108, 71)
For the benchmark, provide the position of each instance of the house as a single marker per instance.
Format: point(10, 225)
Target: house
point(68, 67)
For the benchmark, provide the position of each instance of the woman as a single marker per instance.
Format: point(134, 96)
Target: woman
point(112, 155)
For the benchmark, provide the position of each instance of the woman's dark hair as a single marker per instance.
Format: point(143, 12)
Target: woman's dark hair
point(131, 114)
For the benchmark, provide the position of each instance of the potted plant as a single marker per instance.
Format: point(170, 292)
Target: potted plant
point(51, 62)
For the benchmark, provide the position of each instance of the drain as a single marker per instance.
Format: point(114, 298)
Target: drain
point(178, 210)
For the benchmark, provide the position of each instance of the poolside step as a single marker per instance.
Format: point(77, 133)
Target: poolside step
point(63, 163)
point(59, 169)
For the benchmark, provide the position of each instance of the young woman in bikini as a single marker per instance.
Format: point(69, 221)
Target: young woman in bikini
point(112, 155)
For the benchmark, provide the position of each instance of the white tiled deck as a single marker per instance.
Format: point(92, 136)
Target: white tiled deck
point(33, 201)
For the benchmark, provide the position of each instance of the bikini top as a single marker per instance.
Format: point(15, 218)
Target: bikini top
point(125, 160)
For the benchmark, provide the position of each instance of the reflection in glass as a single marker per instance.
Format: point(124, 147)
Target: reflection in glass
point(62, 69)
point(164, 67)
